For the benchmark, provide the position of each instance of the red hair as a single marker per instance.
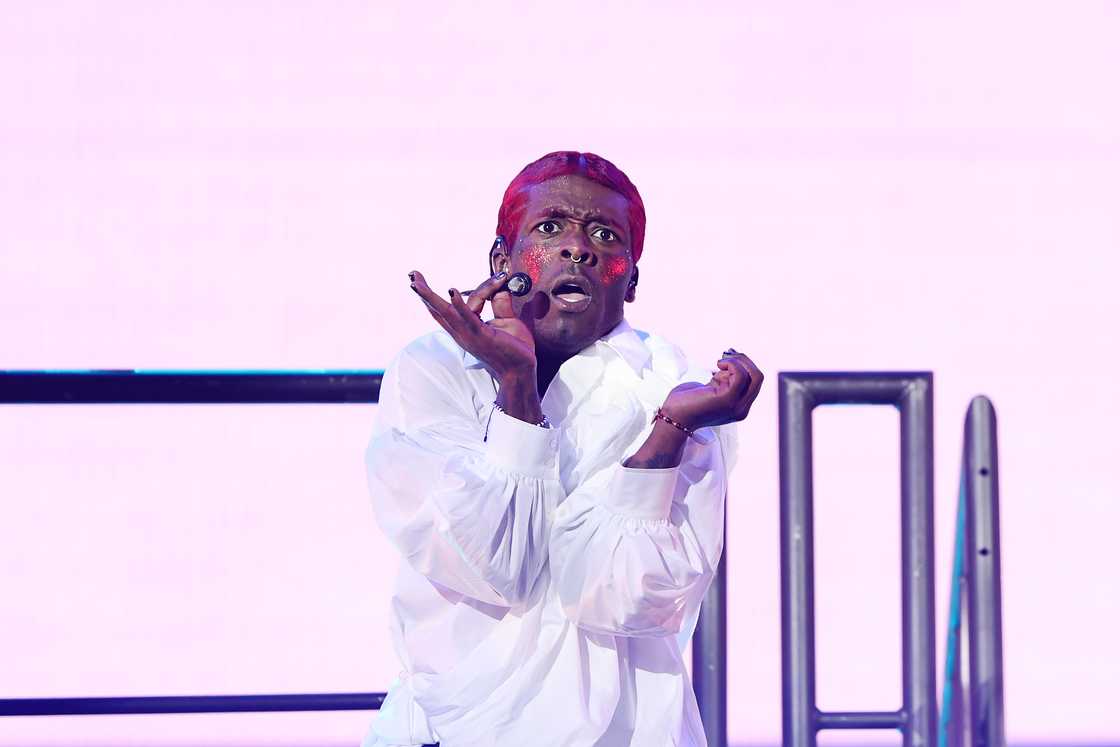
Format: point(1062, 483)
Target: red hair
point(564, 163)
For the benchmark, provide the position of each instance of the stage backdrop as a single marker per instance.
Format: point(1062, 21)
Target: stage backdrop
point(245, 185)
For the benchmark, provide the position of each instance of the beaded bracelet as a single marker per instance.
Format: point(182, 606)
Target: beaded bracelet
point(542, 423)
point(659, 415)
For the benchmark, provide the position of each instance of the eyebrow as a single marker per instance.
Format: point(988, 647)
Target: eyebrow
point(592, 217)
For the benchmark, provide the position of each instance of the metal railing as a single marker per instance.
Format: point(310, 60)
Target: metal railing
point(975, 605)
point(709, 655)
point(131, 386)
point(912, 394)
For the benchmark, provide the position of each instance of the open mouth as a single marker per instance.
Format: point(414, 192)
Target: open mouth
point(572, 293)
point(569, 292)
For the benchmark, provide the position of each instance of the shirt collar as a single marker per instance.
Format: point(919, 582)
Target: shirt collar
point(623, 339)
point(629, 344)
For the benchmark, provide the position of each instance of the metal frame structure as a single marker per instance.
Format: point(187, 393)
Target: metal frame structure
point(123, 386)
point(709, 656)
point(131, 386)
point(912, 394)
point(975, 604)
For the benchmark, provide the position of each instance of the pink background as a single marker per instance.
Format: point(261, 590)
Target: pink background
point(862, 186)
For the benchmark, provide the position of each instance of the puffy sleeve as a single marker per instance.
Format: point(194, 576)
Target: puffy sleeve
point(633, 551)
point(466, 498)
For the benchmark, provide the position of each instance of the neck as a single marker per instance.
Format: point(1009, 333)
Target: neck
point(547, 366)
point(549, 361)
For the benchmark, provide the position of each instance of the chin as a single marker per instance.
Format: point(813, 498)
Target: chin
point(563, 339)
point(568, 334)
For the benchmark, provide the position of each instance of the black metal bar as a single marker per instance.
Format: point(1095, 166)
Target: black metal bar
point(985, 614)
point(190, 704)
point(709, 657)
point(128, 386)
point(861, 720)
point(798, 394)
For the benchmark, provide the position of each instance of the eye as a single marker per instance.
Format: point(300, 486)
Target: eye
point(604, 234)
point(549, 227)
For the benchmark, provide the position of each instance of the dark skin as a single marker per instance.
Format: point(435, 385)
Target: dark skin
point(574, 241)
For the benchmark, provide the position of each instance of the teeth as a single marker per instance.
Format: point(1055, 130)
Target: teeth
point(569, 289)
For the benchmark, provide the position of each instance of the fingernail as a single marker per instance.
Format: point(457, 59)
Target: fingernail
point(499, 275)
point(413, 287)
point(451, 292)
point(412, 276)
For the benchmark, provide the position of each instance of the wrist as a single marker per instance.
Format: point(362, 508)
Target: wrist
point(661, 417)
point(518, 397)
point(664, 447)
point(522, 376)
point(668, 435)
point(677, 417)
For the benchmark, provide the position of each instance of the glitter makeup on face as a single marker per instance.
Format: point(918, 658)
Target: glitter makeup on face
point(614, 268)
point(534, 258)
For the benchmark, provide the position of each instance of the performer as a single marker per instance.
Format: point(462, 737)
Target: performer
point(554, 480)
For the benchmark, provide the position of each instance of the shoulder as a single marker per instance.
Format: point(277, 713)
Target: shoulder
point(425, 382)
point(432, 359)
point(435, 348)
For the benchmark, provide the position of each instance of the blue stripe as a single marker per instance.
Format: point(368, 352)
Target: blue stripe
point(953, 636)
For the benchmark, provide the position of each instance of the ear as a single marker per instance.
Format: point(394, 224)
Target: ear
point(499, 255)
point(632, 288)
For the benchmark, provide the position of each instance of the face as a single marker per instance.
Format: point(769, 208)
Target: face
point(574, 242)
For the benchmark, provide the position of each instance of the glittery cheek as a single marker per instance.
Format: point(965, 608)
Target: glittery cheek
point(535, 258)
point(614, 268)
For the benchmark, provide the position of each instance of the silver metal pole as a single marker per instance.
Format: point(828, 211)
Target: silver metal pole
point(709, 657)
point(795, 456)
point(919, 674)
point(912, 394)
point(985, 618)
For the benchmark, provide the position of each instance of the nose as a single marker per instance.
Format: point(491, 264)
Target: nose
point(580, 255)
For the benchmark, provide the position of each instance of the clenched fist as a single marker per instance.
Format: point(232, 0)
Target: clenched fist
point(726, 398)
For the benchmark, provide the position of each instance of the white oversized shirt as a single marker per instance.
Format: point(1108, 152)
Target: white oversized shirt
point(546, 591)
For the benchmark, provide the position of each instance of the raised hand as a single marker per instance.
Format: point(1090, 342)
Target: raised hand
point(504, 344)
point(726, 398)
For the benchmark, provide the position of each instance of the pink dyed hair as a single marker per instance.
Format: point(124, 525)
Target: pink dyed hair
point(562, 163)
